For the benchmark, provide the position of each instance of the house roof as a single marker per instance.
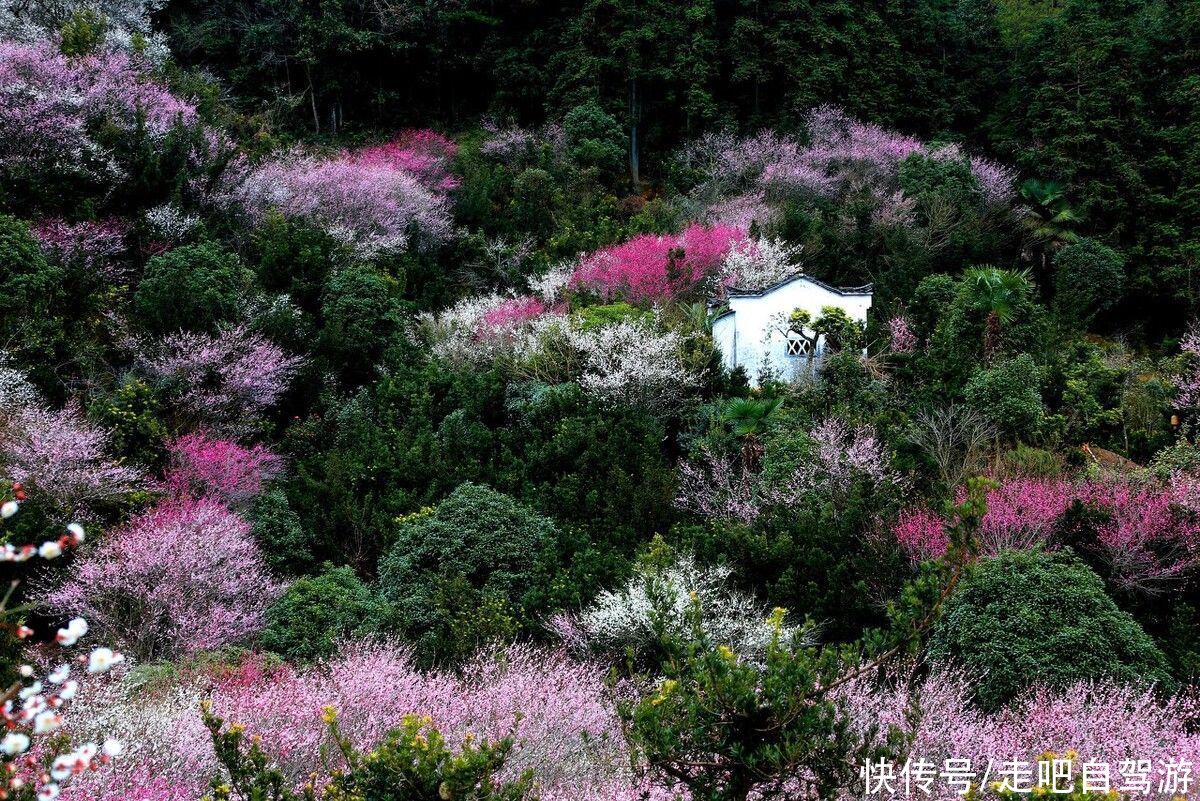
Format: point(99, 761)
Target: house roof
point(750, 293)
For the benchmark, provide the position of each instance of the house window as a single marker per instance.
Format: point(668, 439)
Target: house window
point(797, 345)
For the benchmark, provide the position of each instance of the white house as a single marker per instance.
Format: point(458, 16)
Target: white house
point(751, 329)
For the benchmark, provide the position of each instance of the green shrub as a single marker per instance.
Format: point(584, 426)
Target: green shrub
point(1008, 396)
point(32, 296)
point(316, 611)
point(361, 314)
point(190, 288)
point(1031, 618)
point(286, 544)
point(479, 549)
point(1089, 278)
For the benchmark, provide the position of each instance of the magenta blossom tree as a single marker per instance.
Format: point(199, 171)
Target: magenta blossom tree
point(201, 467)
point(181, 578)
point(653, 269)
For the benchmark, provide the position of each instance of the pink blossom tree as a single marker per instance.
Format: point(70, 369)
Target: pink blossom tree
point(53, 104)
point(1089, 722)
point(92, 245)
point(1148, 535)
point(372, 200)
point(223, 382)
point(557, 709)
point(183, 577)
point(424, 153)
point(62, 457)
point(219, 468)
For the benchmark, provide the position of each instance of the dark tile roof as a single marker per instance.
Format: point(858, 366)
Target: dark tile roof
point(750, 293)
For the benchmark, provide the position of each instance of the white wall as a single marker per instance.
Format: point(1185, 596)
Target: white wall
point(746, 338)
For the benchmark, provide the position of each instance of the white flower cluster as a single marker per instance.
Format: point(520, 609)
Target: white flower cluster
point(170, 222)
point(455, 333)
point(633, 361)
point(628, 617)
point(758, 264)
point(551, 286)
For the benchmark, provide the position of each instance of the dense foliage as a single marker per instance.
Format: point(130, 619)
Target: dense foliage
point(368, 350)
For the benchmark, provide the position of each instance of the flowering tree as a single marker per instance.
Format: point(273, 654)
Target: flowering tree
point(53, 104)
point(651, 268)
point(218, 468)
point(758, 264)
point(1091, 722)
point(63, 458)
point(557, 711)
point(662, 595)
point(424, 153)
point(844, 159)
point(838, 460)
point(222, 381)
point(91, 245)
point(180, 578)
point(1147, 535)
point(371, 200)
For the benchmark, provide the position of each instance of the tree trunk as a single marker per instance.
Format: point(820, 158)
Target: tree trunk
point(635, 114)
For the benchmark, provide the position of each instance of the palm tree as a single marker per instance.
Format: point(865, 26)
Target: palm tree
point(998, 293)
point(748, 418)
point(1047, 217)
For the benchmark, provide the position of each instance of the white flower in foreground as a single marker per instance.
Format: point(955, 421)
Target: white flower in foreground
point(77, 628)
point(76, 531)
point(48, 792)
point(50, 550)
point(59, 674)
point(69, 690)
point(101, 659)
point(46, 722)
point(14, 743)
point(8, 509)
point(112, 747)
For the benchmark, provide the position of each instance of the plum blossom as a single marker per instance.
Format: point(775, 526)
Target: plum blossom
point(221, 469)
point(758, 264)
point(63, 457)
point(626, 618)
point(183, 577)
point(370, 200)
point(224, 381)
point(650, 268)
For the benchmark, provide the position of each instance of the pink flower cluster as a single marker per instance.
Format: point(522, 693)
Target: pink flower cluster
point(424, 153)
point(52, 103)
point(558, 711)
point(653, 269)
point(63, 458)
point(219, 468)
point(901, 336)
point(844, 160)
point(223, 381)
point(1149, 536)
point(379, 200)
point(1098, 722)
point(1187, 389)
point(92, 244)
point(180, 578)
point(511, 313)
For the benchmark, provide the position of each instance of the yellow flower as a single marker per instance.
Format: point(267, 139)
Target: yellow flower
point(1072, 754)
point(236, 728)
point(328, 714)
point(726, 652)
